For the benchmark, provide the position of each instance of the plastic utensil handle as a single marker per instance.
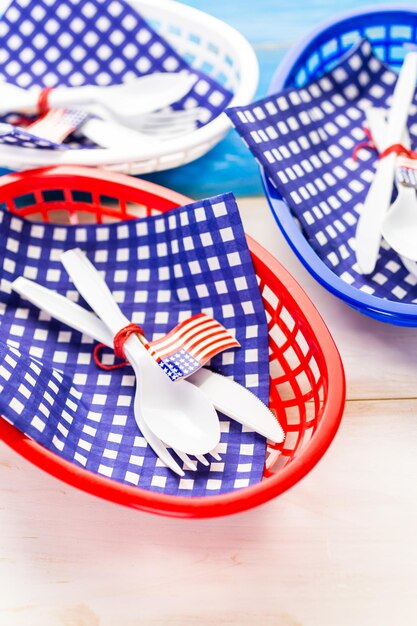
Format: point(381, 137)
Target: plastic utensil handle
point(93, 289)
point(62, 97)
point(368, 232)
point(63, 309)
point(378, 127)
point(14, 98)
point(402, 98)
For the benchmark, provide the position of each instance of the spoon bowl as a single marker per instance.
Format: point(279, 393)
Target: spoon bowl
point(178, 415)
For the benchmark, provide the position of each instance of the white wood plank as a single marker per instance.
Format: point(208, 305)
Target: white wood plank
point(339, 548)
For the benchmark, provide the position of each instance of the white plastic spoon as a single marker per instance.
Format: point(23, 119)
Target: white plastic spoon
point(178, 414)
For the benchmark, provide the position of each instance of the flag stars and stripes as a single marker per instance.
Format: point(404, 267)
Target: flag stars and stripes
point(191, 344)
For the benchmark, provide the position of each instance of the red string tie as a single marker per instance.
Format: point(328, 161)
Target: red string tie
point(43, 106)
point(369, 144)
point(118, 342)
point(399, 150)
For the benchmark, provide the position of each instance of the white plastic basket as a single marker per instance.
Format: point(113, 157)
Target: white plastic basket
point(217, 49)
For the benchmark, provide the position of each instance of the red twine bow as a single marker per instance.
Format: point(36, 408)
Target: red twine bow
point(118, 343)
point(369, 144)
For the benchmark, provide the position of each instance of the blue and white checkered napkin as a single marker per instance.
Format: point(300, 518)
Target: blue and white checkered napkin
point(100, 42)
point(304, 139)
point(161, 270)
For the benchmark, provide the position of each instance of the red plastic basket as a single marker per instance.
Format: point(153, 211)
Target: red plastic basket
point(307, 382)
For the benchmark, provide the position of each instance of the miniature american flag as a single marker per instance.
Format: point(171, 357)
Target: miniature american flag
point(189, 345)
point(57, 124)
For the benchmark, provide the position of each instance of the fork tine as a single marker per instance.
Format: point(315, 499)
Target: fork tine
point(202, 459)
point(189, 464)
point(160, 449)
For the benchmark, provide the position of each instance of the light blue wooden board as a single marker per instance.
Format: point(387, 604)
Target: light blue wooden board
point(272, 27)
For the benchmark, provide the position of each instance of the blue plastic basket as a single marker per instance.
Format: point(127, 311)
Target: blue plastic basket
point(388, 29)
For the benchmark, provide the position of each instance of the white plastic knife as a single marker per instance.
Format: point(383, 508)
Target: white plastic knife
point(227, 396)
point(238, 403)
point(368, 231)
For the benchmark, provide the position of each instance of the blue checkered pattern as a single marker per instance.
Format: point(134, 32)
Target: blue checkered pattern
point(304, 139)
point(161, 270)
point(180, 364)
point(99, 42)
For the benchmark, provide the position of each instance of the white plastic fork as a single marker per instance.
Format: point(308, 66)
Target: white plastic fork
point(86, 322)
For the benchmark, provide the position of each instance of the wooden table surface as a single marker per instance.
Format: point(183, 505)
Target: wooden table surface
point(338, 549)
